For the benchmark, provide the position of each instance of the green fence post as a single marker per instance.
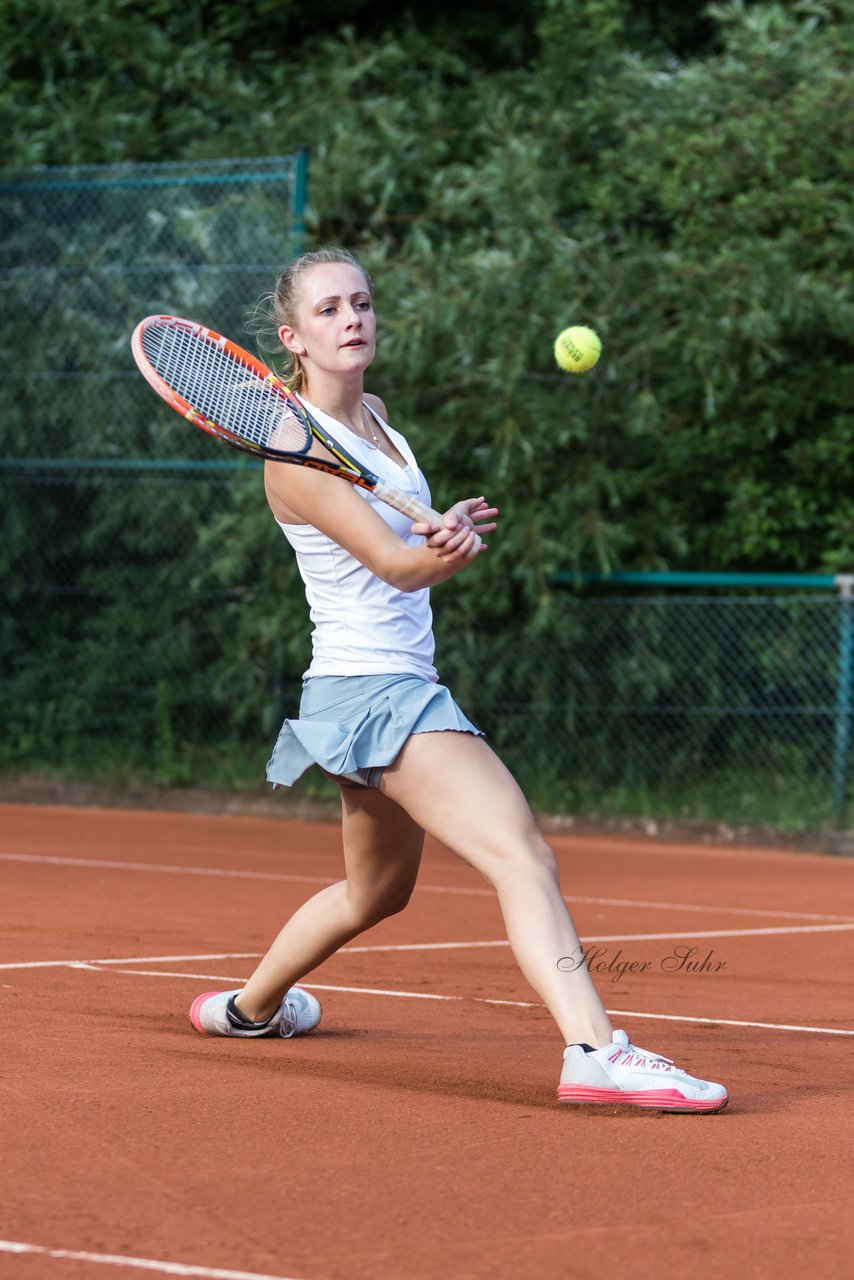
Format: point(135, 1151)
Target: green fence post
point(842, 734)
point(300, 200)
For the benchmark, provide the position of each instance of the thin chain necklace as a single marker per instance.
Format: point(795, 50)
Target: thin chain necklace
point(368, 420)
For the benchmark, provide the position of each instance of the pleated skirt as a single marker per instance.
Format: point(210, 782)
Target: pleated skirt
point(354, 726)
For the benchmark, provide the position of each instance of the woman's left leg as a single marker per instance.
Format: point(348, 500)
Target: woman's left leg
point(455, 787)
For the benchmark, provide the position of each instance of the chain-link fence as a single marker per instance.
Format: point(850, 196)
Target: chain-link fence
point(86, 251)
point(718, 706)
point(106, 494)
point(140, 637)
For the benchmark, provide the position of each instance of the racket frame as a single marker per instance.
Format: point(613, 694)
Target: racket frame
point(346, 467)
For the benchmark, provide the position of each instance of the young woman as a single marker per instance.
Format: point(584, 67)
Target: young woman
point(406, 759)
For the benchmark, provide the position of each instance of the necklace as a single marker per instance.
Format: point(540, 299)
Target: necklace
point(369, 423)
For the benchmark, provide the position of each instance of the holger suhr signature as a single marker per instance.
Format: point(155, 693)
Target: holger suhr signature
point(682, 959)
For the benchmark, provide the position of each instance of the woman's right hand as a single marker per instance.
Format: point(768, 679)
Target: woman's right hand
point(459, 540)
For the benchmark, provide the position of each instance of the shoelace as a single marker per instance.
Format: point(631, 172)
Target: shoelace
point(659, 1056)
point(650, 1057)
point(289, 1018)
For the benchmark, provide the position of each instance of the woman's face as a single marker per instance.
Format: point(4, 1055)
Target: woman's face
point(334, 325)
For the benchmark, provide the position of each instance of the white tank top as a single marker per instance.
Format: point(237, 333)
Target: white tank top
point(363, 626)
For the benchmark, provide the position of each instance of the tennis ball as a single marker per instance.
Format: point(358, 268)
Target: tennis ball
point(577, 349)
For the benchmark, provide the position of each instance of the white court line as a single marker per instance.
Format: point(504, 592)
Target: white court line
point(621, 1013)
point(222, 872)
point(165, 868)
point(723, 933)
point(422, 946)
point(678, 936)
point(621, 937)
point(732, 1022)
point(139, 1264)
point(77, 964)
point(515, 1004)
point(230, 979)
point(688, 906)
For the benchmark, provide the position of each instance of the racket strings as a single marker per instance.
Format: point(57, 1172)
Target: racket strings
point(222, 389)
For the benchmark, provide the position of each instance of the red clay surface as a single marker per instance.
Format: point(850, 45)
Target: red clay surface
point(412, 1137)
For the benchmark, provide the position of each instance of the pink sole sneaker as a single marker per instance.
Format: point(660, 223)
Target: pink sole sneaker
point(621, 1074)
point(655, 1099)
point(298, 1013)
point(196, 1006)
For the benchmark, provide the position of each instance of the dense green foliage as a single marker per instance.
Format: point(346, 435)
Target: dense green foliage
point(679, 180)
point(696, 212)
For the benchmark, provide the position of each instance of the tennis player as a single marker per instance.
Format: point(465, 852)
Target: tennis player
point(373, 715)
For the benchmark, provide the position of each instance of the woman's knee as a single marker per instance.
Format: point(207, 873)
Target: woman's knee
point(395, 900)
point(372, 906)
point(531, 858)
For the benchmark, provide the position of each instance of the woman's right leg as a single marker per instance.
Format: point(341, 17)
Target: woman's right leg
point(382, 854)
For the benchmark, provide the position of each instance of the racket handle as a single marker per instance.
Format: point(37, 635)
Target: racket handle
point(394, 497)
point(404, 502)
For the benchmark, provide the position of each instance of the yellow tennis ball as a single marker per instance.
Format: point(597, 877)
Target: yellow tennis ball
point(577, 349)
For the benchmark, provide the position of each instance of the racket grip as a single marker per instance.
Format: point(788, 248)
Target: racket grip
point(409, 506)
point(394, 497)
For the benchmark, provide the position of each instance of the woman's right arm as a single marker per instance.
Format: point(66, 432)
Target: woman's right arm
point(333, 506)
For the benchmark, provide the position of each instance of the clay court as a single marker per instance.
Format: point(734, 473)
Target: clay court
point(416, 1133)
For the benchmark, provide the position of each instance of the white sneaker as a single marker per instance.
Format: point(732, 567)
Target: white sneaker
point(623, 1074)
point(299, 1012)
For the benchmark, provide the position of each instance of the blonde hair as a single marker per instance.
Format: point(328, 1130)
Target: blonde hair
point(283, 299)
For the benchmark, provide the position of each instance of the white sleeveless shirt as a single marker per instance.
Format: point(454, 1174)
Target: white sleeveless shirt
point(363, 626)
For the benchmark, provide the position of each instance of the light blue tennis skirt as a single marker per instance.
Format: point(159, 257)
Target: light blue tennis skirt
point(353, 726)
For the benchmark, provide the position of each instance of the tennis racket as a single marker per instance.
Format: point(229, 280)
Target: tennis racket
point(223, 389)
